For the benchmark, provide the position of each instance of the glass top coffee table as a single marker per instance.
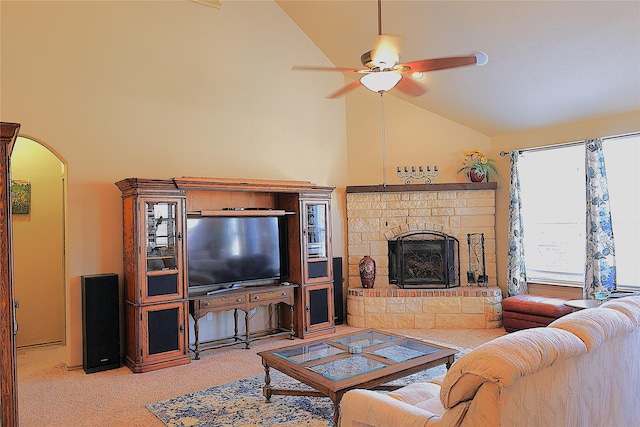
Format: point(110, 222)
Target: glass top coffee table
point(365, 359)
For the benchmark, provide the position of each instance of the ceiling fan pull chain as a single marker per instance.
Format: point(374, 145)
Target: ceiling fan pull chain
point(384, 143)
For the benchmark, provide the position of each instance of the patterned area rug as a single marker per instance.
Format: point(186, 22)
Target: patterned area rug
point(241, 403)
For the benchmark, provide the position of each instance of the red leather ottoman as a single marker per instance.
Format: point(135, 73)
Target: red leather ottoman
point(530, 311)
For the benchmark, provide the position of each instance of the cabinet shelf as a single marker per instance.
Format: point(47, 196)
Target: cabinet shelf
point(243, 212)
point(163, 272)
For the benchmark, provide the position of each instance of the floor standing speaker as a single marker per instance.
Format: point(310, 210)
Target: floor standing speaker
point(100, 323)
point(338, 294)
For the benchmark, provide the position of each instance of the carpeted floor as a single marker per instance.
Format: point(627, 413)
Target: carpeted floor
point(51, 395)
point(241, 403)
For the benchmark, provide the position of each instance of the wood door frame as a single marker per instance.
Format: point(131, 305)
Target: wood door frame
point(8, 376)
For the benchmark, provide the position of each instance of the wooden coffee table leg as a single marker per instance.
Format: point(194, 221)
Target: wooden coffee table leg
point(336, 411)
point(266, 390)
point(450, 361)
point(292, 326)
point(196, 330)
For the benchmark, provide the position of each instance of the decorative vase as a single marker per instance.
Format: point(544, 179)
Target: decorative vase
point(367, 268)
point(474, 176)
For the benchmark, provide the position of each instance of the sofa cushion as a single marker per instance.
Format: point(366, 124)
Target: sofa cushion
point(425, 396)
point(415, 393)
point(482, 410)
point(630, 306)
point(505, 359)
point(595, 325)
point(368, 408)
point(432, 405)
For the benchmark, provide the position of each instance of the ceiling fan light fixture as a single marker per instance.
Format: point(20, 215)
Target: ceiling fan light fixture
point(381, 81)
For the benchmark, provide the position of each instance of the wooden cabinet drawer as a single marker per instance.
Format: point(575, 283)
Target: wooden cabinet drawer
point(284, 295)
point(222, 303)
point(242, 299)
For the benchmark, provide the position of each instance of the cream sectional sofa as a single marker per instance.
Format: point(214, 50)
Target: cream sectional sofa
point(581, 370)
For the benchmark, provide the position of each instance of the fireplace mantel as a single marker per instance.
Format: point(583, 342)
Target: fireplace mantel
point(401, 188)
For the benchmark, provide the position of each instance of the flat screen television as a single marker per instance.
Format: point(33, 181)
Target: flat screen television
point(230, 250)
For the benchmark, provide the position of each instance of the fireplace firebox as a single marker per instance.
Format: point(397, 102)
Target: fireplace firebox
point(424, 260)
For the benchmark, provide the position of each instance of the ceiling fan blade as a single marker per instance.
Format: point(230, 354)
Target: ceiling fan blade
point(312, 68)
point(438, 64)
point(386, 54)
point(410, 87)
point(351, 86)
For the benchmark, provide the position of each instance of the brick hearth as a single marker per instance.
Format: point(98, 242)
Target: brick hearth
point(456, 308)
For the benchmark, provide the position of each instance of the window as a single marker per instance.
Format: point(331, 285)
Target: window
point(553, 209)
point(622, 158)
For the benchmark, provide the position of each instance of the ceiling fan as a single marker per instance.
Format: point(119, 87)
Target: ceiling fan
point(383, 70)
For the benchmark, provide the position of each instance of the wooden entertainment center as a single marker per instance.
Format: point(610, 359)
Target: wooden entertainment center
point(157, 300)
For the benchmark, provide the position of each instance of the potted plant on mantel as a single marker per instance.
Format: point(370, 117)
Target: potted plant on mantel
point(478, 167)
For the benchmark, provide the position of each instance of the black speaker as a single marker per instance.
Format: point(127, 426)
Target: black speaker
point(338, 299)
point(100, 322)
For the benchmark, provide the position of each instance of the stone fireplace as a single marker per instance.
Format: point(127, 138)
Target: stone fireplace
point(414, 234)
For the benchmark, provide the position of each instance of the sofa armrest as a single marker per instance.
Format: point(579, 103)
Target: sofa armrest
point(366, 408)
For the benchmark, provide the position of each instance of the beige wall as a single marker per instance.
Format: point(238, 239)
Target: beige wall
point(38, 246)
point(413, 137)
point(163, 89)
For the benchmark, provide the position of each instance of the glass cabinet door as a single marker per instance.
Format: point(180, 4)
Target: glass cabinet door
point(316, 231)
point(316, 245)
point(162, 249)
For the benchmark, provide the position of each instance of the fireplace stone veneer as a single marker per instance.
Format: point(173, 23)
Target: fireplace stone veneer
point(376, 214)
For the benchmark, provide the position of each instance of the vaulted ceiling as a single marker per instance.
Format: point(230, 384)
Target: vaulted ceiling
point(550, 62)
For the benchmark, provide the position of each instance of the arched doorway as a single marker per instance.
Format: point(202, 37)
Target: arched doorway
point(38, 244)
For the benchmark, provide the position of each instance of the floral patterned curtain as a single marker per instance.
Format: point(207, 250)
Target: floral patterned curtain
point(601, 263)
point(516, 273)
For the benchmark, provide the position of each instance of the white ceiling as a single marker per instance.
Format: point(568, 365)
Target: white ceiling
point(550, 62)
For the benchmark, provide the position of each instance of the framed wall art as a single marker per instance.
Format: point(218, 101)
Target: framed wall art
point(20, 197)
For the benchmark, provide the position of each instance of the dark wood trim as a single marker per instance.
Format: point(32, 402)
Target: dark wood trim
point(257, 185)
point(8, 378)
point(402, 188)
